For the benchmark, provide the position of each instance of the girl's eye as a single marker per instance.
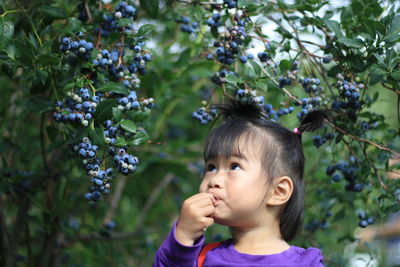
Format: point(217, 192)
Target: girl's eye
point(210, 168)
point(235, 167)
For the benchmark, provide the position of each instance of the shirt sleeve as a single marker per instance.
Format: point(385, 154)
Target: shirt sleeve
point(318, 260)
point(173, 253)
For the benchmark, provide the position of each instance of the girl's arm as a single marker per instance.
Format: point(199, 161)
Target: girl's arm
point(173, 253)
point(184, 242)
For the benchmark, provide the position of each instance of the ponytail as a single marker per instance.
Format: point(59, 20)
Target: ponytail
point(313, 121)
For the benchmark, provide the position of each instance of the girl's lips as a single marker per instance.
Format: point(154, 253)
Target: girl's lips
point(216, 198)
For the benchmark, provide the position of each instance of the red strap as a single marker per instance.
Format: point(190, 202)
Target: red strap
point(203, 252)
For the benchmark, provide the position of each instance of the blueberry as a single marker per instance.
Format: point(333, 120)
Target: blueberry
point(330, 170)
point(336, 177)
point(370, 220)
point(243, 59)
point(363, 223)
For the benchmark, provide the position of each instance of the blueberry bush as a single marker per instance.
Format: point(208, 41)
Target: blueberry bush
point(105, 106)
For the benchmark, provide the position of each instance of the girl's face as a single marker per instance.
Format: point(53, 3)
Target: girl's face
point(239, 187)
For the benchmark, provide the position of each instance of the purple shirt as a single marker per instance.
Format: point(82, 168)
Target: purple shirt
point(173, 254)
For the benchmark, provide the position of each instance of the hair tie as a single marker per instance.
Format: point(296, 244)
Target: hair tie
point(296, 131)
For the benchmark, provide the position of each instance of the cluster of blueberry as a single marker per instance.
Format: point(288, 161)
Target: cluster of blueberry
point(248, 96)
point(110, 132)
point(138, 65)
point(308, 104)
point(105, 58)
point(327, 59)
point(289, 76)
point(350, 95)
point(91, 163)
point(81, 104)
point(81, 47)
point(214, 21)
point(125, 163)
point(78, 107)
point(364, 219)
point(348, 170)
point(319, 140)
point(230, 3)
point(204, 116)
point(311, 85)
point(263, 56)
point(82, 16)
point(275, 114)
point(110, 22)
point(187, 26)
point(218, 77)
point(228, 46)
point(316, 224)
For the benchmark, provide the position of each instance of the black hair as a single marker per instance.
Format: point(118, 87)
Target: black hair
point(281, 150)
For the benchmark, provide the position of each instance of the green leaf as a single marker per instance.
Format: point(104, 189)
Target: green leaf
point(138, 115)
point(395, 25)
point(140, 137)
point(151, 7)
point(334, 27)
point(380, 59)
point(284, 65)
point(113, 87)
point(272, 85)
point(97, 136)
point(395, 75)
point(104, 110)
point(232, 79)
point(123, 22)
point(147, 29)
point(53, 12)
point(377, 75)
point(286, 46)
point(249, 71)
point(261, 85)
point(116, 114)
point(6, 31)
point(392, 38)
point(256, 67)
point(121, 141)
point(339, 138)
point(353, 43)
point(128, 126)
point(48, 59)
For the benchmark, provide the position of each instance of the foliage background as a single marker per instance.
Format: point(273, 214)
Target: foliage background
point(52, 225)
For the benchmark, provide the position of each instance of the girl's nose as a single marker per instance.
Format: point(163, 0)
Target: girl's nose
point(216, 180)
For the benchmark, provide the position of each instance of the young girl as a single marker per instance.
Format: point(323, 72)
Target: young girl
point(253, 183)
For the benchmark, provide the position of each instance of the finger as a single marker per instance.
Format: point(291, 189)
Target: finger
point(206, 211)
point(203, 202)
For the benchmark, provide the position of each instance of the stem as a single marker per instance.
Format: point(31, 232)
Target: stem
point(382, 147)
point(391, 89)
point(42, 143)
point(199, 3)
point(115, 199)
point(11, 11)
point(4, 235)
point(142, 216)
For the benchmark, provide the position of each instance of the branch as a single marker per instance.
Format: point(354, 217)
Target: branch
point(382, 147)
point(382, 184)
point(118, 236)
point(115, 199)
point(199, 3)
point(4, 248)
point(90, 19)
point(391, 89)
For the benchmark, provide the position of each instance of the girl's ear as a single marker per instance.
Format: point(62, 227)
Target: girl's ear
point(281, 191)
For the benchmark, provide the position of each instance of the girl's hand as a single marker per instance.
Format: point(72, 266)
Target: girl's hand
point(194, 218)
